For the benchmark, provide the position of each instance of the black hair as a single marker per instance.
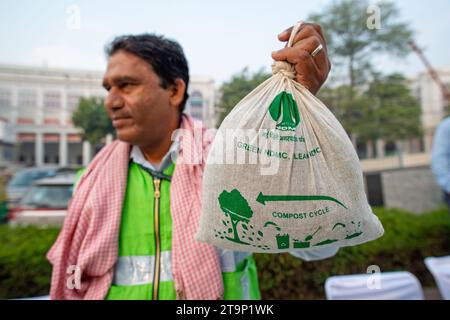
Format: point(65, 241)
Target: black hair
point(165, 56)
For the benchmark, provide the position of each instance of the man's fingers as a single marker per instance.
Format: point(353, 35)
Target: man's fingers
point(318, 28)
point(307, 39)
point(307, 73)
point(310, 71)
point(308, 44)
point(282, 55)
point(291, 54)
point(284, 36)
point(306, 30)
point(307, 69)
point(321, 58)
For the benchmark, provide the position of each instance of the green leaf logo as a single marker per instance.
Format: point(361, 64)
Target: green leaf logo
point(285, 107)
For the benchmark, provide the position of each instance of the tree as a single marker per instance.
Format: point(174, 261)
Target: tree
point(234, 205)
point(91, 117)
point(385, 110)
point(350, 107)
point(237, 88)
point(353, 40)
point(396, 113)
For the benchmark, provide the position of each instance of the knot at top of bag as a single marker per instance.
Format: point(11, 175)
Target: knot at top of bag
point(283, 67)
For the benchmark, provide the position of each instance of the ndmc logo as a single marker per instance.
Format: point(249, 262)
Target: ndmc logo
point(285, 107)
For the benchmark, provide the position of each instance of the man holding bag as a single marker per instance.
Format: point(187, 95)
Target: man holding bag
point(130, 227)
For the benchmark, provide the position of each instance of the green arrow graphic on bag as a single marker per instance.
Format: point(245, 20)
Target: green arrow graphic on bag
point(265, 198)
point(284, 106)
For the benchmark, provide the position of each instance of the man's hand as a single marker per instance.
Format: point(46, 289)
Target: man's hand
point(310, 71)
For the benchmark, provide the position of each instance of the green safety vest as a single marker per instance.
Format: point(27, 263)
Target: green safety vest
point(143, 270)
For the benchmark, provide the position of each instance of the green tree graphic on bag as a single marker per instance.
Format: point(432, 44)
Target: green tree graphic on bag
point(234, 205)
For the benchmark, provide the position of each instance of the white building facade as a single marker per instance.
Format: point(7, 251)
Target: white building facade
point(36, 105)
point(202, 97)
point(432, 102)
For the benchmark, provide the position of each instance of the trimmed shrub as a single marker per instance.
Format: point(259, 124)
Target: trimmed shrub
point(408, 239)
point(24, 269)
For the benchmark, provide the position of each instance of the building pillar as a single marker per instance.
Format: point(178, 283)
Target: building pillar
point(416, 145)
point(63, 149)
point(86, 153)
point(428, 141)
point(63, 115)
point(15, 106)
point(39, 149)
point(380, 146)
point(40, 107)
point(369, 149)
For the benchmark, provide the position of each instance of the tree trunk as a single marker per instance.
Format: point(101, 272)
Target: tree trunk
point(380, 148)
point(235, 233)
point(351, 71)
point(399, 146)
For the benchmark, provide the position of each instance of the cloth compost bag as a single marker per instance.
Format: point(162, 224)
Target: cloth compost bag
point(283, 175)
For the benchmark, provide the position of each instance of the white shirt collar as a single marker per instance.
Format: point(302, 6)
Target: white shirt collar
point(138, 157)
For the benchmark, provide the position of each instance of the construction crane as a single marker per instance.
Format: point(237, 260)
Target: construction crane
point(433, 74)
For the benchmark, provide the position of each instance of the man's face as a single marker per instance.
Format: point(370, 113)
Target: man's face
point(140, 109)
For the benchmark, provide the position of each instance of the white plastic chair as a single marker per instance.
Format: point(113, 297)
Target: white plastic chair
point(440, 269)
point(400, 285)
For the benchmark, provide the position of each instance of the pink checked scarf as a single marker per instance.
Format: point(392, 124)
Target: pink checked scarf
point(88, 242)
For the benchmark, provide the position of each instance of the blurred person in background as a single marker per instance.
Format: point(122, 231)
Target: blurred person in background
point(440, 158)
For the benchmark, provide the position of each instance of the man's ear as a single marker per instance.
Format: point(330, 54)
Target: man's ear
point(177, 92)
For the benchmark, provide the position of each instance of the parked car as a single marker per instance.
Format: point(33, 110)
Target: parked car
point(22, 180)
point(45, 202)
point(3, 202)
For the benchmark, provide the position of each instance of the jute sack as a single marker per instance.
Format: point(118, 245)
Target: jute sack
point(282, 175)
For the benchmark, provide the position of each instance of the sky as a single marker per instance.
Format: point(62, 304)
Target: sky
point(219, 38)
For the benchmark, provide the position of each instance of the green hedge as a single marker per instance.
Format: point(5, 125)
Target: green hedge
point(24, 270)
point(408, 239)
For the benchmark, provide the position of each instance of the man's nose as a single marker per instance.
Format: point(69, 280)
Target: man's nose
point(113, 100)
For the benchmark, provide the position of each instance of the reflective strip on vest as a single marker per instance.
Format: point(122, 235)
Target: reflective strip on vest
point(138, 270)
point(245, 287)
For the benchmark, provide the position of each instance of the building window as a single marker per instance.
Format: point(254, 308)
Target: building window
point(27, 98)
point(73, 100)
point(196, 105)
point(5, 102)
point(52, 102)
point(27, 105)
point(5, 98)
